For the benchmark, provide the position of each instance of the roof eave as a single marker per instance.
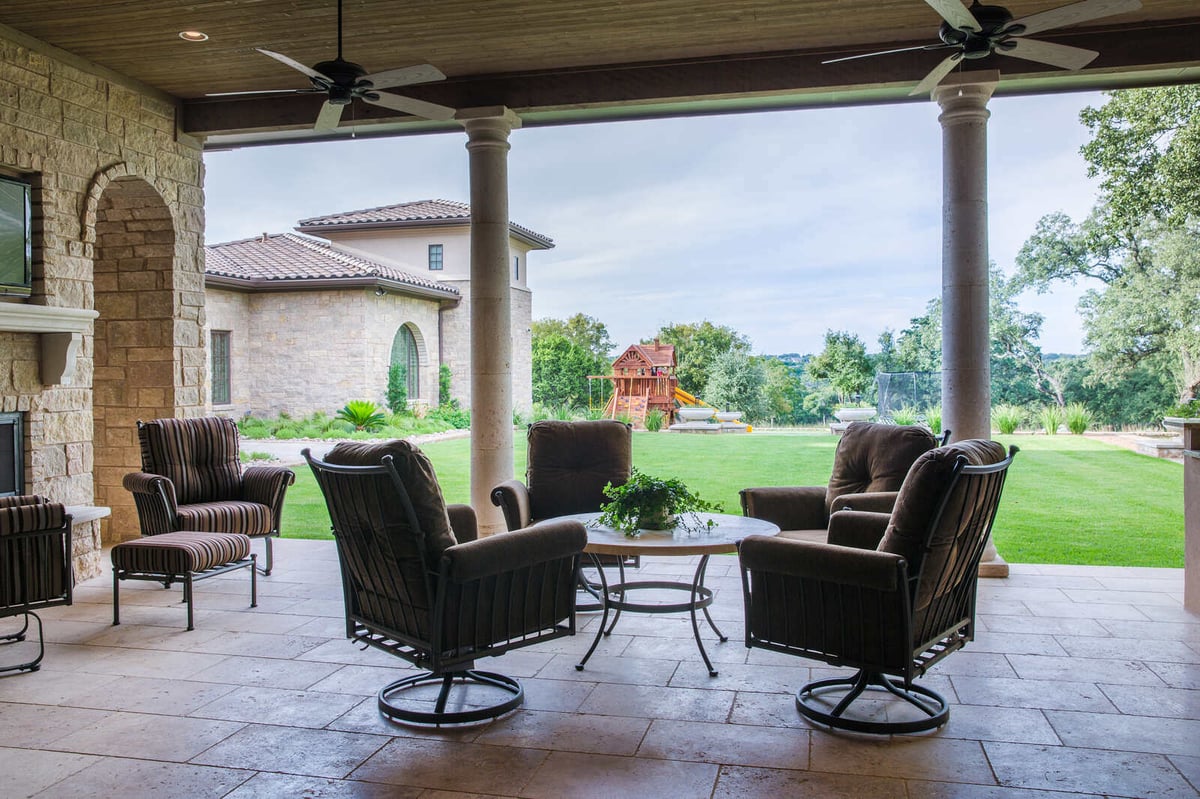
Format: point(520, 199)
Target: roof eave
point(534, 240)
point(318, 284)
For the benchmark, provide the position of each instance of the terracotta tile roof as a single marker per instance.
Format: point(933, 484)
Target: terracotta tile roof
point(287, 257)
point(653, 354)
point(413, 214)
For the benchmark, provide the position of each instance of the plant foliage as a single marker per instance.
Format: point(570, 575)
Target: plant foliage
point(397, 388)
point(363, 414)
point(650, 503)
point(1007, 418)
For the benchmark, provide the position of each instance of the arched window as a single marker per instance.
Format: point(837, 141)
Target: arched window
point(404, 352)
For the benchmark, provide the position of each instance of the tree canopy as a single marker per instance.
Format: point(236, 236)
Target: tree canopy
point(844, 363)
point(697, 345)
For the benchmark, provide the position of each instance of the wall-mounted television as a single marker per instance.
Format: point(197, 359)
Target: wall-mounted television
point(16, 238)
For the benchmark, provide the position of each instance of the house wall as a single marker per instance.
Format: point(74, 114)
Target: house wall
point(83, 135)
point(305, 351)
point(409, 249)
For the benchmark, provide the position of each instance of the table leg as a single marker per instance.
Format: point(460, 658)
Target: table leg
point(620, 582)
point(697, 582)
point(603, 619)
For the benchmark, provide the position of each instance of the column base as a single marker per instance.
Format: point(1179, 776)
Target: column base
point(996, 567)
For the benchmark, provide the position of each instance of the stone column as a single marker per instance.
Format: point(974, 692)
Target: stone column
point(966, 376)
point(491, 309)
point(1191, 516)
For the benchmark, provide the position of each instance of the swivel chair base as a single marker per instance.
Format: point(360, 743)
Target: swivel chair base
point(932, 704)
point(513, 694)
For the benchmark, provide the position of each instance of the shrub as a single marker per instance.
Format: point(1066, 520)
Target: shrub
point(1185, 410)
point(397, 388)
point(444, 385)
point(594, 414)
point(654, 420)
point(562, 413)
point(451, 415)
point(1051, 416)
point(1079, 418)
point(363, 414)
point(624, 418)
point(286, 431)
point(1008, 418)
point(933, 418)
point(246, 457)
point(905, 415)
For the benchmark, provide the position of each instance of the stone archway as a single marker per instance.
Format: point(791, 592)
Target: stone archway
point(134, 344)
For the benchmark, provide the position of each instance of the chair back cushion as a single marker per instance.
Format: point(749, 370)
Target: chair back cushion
point(570, 463)
point(417, 475)
point(32, 569)
point(911, 532)
point(199, 456)
point(875, 457)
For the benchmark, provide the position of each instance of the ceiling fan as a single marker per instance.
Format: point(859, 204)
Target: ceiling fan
point(980, 30)
point(344, 81)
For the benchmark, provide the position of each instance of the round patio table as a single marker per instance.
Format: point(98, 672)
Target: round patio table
point(720, 539)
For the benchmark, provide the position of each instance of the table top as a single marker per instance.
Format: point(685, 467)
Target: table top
point(720, 539)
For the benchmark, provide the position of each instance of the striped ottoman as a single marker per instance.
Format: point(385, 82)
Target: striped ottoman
point(184, 556)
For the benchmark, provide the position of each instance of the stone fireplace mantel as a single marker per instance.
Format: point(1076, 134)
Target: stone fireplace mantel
point(60, 329)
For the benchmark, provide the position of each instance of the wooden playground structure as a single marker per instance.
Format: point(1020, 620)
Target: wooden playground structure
point(643, 380)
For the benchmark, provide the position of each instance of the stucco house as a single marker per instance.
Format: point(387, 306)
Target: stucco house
point(305, 321)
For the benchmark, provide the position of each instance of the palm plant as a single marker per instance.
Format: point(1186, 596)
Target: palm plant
point(363, 414)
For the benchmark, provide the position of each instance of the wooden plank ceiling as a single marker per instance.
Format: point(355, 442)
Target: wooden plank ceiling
point(559, 61)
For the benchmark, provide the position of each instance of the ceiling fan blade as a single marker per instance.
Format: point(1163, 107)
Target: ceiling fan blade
point(251, 93)
point(294, 64)
point(1059, 55)
point(329, 117)
point(405, 76)
point(935, 76)
point(938, 46)
point(410, 105)
point(1075, 12)
point(956, 14)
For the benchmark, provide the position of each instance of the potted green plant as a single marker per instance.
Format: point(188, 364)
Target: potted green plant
point(651, 503)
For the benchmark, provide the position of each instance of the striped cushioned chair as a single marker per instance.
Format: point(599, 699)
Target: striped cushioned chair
point(35, 566)
point(191, 479)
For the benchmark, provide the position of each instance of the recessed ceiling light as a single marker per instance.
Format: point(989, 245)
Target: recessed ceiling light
point(193, 36)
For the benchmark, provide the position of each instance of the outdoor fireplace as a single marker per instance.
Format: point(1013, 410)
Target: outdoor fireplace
point(12, 455)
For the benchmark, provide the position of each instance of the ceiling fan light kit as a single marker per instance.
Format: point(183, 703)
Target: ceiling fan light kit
point(981, 30)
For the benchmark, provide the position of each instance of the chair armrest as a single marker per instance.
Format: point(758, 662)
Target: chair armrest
point(857, 528)
point(790, 507)
point(504, 553)
point(874, 501)
point(154, 495)
point(267, 485)
point(463, 523)
point(512, 497)
point(826, 563)
point(24, 499)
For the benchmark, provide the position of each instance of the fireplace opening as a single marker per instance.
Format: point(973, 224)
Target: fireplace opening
point(12, 455)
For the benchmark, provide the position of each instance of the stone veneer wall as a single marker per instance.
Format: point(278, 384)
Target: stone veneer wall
point(456, 346)
point(77, 132)
point(305, 351)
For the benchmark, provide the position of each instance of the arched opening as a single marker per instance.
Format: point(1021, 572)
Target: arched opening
point(134, 344)
point(406, 353)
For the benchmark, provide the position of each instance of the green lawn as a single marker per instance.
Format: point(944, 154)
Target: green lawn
point(1068, 499)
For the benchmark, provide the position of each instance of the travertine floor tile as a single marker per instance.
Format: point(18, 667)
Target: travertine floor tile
point(658, 702)
point(736, 782)
point(471, 767)
point(1126, 733)
point(570, 774)
point(906, 757)
point(25, 772)
point(1087, 770)
point(145, 779)
point(1142, 700)
point(278, 706)
point(1002, 692)
point(315, 753)
point(569, 732)
point(147, 736)
point(273, 786)
point(727, 744)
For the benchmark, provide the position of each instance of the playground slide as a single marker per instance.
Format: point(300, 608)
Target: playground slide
point(685, 398)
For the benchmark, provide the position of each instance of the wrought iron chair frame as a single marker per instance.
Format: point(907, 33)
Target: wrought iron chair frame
point(41, 571)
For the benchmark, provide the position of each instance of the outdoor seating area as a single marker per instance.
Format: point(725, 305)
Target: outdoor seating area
point(1082, 681)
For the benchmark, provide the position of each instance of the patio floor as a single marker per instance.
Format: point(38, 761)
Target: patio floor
point(1083, 681)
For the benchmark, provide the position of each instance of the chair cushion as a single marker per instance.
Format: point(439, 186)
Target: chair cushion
point(199, 456)
point(417, 475)
point(180, 552)
point(875, 457)
point(32, 569)
point(570, 463)
point(908, 533)
point(248, 518)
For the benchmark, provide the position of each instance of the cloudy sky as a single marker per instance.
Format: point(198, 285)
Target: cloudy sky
point(781, 225)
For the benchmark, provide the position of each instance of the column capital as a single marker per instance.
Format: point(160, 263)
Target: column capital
point(965, 93)
point(488, 121)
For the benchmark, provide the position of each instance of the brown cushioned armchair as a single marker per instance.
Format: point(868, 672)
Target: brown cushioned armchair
point(567, 468)
point(35, 566)
point(892, 610)
point(192, 479)
point(418, 583)
point(868, 467)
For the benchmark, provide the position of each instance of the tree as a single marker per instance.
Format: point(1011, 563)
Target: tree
point(844, 364)
point(697, 346)
point(736, 382)
point(1013, 334)
point(919, 346)
point(1145, 148)
point(783, 391)
point(397, 388)
point(581, 330)
point(560, 371)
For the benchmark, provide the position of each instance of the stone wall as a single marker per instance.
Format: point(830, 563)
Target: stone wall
point(305, 351)
point(456, 346)
point(81, 137)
